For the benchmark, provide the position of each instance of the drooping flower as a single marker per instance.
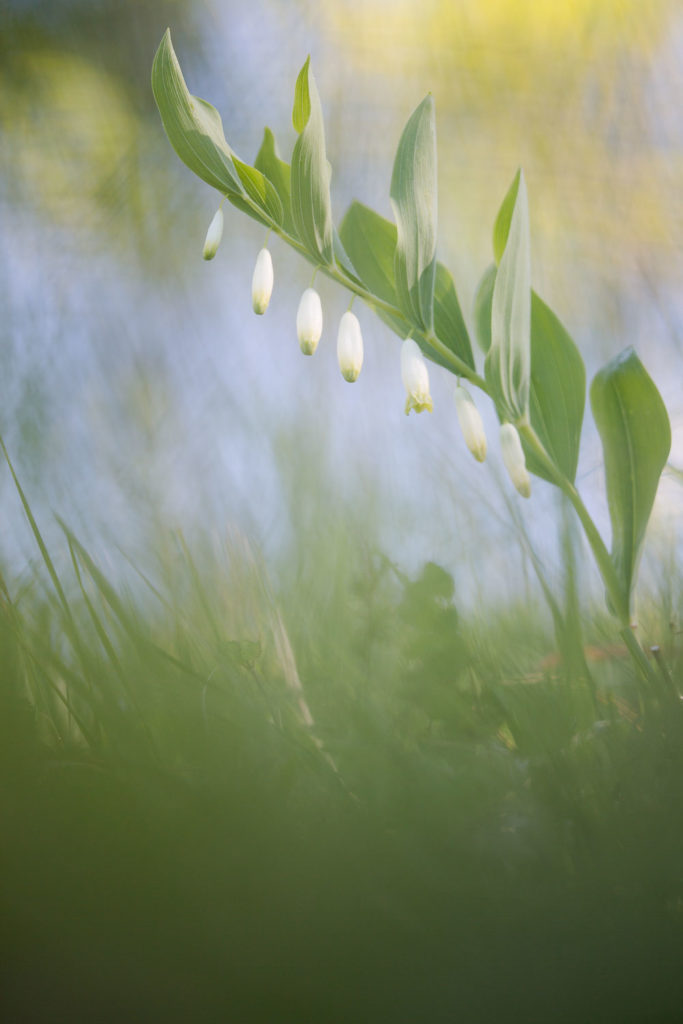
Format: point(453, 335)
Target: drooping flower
point(513, 457)
point(415, 377)
point(213, 236)
point(262, 282)
point(350, 347)
point(309, 321)
point(470, 423)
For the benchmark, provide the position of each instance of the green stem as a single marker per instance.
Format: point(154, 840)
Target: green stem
point(637, 653)
point(602, 556)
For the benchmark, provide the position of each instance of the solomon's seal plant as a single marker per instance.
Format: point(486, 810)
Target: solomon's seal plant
point(533, 371)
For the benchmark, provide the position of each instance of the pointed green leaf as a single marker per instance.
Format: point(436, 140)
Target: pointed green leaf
point(260, 191)
point(413, 199)
point(310, 179)
point(557, 390)
point(557, 394)
point(194, 127)
point(370, 241)
point(279, 174)
point(449, 325)
point(302, 99)
point(342, 259)
point(508, 363)
point(636, 438)
point(501, 227)
point(483, 300)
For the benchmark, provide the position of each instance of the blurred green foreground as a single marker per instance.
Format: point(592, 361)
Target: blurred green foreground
point(420, 817)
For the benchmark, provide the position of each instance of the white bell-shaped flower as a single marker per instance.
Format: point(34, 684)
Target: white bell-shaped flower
point(262, 282)
point(513, 457)
point(213, 236)
point(350, 347)
point(471, 423)
point(415, 377)
point(309, 321)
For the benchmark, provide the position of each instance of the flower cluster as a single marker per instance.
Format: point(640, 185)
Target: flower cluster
point(414, 373)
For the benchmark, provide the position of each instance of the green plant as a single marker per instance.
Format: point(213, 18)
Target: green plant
point(533, 371)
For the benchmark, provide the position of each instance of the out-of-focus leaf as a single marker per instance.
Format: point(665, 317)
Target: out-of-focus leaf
point(310, 178)
point(508, 363)
point(636, 439)
point(194, 127)
point(413, 198)
point(557, 391)
point(501, 228)
point(279, 174)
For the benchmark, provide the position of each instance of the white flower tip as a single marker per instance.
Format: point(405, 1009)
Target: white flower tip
point(213, 236)
point(350, 347)
point(262, 282)
point(309, 321)
point(513, 457)
point(471, 423)
point(415, 378)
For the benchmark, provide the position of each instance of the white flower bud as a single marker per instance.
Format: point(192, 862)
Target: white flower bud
point(513, 457)
point(350, 347)
point(262, 282)
point(309, 321)
point(213, 236)
point(415, 377)
point(470, 423)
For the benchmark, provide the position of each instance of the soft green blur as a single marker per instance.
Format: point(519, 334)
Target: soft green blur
point(301, 718)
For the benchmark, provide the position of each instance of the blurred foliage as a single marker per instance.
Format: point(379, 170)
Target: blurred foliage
point(198, 822)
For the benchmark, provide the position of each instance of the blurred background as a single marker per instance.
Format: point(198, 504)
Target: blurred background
point(139, 392)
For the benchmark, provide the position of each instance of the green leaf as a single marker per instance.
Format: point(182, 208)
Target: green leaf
point(194, 127)
point(501, 228)
point(449, 325)
point(557, 394)
point(310, 179)
point(636, 438)
point(370, 241)
point(279, 173)
point(483, 301)
point(557, 390)
point(508, 363)
point(302, 99)
point(260, 191)
point(413, 198)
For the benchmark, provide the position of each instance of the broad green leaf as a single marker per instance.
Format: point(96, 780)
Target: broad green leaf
point(260, 190)
point(279, 173)
point(413, 199)
point(501, 227)
point(636, 438)
point(508, 363)
point(557, 390)
point(342, 259)
point(449, 325)
point(310, 179)
point(194, 127)
point(370, 241)
point(557, 394)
